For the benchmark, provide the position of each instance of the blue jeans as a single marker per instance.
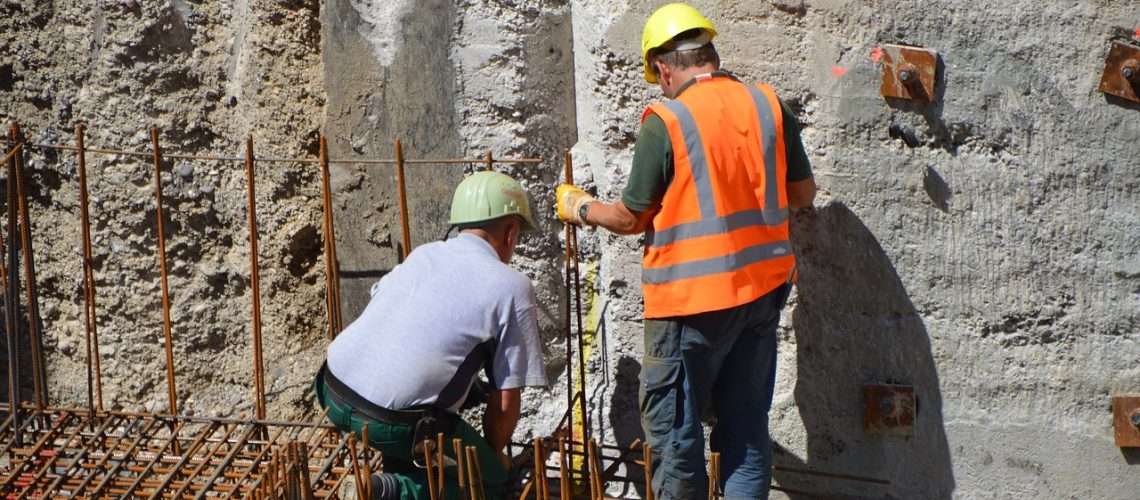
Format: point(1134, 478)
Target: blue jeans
point(723, 361)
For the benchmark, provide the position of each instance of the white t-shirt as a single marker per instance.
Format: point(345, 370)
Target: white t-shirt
point(434, 322)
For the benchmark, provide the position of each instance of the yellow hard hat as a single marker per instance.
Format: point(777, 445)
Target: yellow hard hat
point(666, 23)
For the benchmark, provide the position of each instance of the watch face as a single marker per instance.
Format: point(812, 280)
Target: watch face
point(582, 211)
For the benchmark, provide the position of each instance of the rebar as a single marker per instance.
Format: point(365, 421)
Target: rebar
point(714, 475)
point(11, 293)
point(460, 464)
point(172, 393)
point(255, 284)
point(647, 456)
point(89, 310)
point(332, 269)
point(405, 233)
point(35, 331)
point(489, 162)
point(429, 469)
point(573, 274)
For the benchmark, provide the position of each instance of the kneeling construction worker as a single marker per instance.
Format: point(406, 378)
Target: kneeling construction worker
point(409, 362)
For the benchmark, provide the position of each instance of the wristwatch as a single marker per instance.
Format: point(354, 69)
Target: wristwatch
point(582, 212)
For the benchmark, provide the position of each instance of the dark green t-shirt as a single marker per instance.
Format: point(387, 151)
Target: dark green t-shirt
point(652, 170)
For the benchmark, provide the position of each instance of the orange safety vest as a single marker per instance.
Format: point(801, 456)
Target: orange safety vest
point(720, 239)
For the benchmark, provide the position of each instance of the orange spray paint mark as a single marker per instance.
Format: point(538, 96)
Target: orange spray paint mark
point(1137, 32)
point(838, 71)
point(876, 54)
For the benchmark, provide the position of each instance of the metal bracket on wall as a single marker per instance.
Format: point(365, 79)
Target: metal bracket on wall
point(889, 409)
point(909, 72)
point(1126, 420)
point(1121, 76)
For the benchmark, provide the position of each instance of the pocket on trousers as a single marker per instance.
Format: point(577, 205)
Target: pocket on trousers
point(659, 401)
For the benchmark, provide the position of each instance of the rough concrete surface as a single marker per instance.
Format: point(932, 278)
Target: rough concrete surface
point(981, 248)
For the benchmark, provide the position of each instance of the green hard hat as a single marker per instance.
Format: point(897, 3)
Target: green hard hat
point(484, 196)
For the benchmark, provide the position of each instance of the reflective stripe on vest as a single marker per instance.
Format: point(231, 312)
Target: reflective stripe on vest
point(710, 222)
point(752, 229)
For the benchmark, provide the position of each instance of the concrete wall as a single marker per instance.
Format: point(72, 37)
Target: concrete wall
point(991, 263)
point(981, 248)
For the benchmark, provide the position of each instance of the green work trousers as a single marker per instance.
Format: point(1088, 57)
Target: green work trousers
point(395, 442)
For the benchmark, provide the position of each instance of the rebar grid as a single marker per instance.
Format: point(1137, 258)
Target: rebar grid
point(75, 453)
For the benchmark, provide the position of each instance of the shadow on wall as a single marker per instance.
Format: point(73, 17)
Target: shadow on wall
point(625, 415)
point(854, 325)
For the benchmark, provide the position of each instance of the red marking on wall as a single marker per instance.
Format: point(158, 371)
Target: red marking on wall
point(1137, 32)
point(876, 54)
point(838, 70)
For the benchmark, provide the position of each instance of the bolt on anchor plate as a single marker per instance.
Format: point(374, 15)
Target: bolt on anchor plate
point(909, 72)
point(889, 409)
point(1121, 76)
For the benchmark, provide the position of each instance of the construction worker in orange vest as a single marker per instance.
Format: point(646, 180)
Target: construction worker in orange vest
point(715, 170)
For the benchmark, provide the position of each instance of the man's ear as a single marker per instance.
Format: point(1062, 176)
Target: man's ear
point(664, 72)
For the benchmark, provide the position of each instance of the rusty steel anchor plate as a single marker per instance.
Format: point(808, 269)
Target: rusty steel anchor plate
point(909, 72)
point(1121, 76)
point(1126, 420)
point(889, 409)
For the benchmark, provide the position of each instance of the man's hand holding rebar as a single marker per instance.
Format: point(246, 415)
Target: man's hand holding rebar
point(571, 203)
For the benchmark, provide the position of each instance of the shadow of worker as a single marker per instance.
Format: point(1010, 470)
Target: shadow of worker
point(855, 325)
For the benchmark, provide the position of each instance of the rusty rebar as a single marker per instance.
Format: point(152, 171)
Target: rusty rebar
point(563, 470)
point(489, 162)
point(356, 465)
point(647, 456)
point(35, 332)
point(595, 467)
point(439, 460)
point(403, 193)
point(475, 474)
point(11, 294)
point(364, 446)
point(332, 271)
point(714, 475)
point(162, 267)
point(539, 469)
point(90, 318)
point(460, 464)
point(255, 282)
point(429, 469)
point(572, 268)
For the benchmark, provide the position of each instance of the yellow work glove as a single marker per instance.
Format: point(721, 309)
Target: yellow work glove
point(570, 201)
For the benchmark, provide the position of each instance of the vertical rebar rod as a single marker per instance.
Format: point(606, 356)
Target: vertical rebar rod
point(566, 325)
point(490, 162)
point(429, 469)
point(460, 465)
point(39, 384)
point(93, 379)
point(402, 188)
point(647, 456)
point(563, 470)
point(332, 276)
point(572, 261)
point(367, 463)
point(356, 465)
point(439, 460)
point(255, 283)
point(162, 267)
point(475, 474)
point(539, 470)
point(11, 296)
point(714, 475)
